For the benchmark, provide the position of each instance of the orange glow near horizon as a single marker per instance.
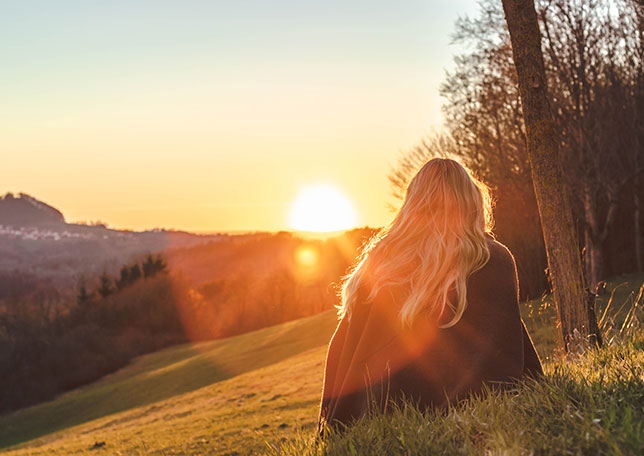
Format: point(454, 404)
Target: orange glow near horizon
point(322, 208)
point(210, 116)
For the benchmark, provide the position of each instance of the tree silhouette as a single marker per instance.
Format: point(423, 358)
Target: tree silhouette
point(83, 296)
point(153, 265)
point(159, 264)
point(135, 272)
point(105, 288)
point(574, 302)
point(125, 279)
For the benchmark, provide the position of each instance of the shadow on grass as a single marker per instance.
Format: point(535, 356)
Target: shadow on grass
point(164, 374)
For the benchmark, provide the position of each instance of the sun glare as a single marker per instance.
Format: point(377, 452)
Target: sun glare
point(322, 208)
point(306, 256)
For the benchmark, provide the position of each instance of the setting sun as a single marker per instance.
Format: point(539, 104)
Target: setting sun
point(322, 208)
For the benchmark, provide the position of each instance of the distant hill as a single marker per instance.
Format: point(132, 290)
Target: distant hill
point(36, 239)
point(27, 210)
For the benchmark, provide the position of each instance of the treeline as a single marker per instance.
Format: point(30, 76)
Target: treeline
point(202, 292)
point(594, 53)
point(42, 355)
point(129, 274)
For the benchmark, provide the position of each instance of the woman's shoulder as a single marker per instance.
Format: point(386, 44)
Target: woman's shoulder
point(494, 286)
point(499, 253)
point(499, 271)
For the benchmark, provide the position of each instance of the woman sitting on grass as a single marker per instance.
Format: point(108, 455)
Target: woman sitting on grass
point(430, 312)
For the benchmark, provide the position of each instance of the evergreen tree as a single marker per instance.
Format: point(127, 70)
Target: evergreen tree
point(135, 272)
point(159, 265)
point(148, 267)
point(83, 296)
point(153, 265)
point(125, 278)
point(105, 288)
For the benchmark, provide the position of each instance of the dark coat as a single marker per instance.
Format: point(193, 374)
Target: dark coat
point(373, 358)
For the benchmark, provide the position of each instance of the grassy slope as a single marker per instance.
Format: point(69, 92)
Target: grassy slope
point(167, 374)
point(222, 397)
point(234, 416)
point(589, 405)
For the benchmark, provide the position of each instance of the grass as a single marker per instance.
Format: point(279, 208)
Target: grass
point(169, 375)
point(592, 405)
point(614, 305)
point(232, 417)
point(259, 392)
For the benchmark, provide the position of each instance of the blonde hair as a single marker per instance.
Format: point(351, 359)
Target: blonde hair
point(435, 241)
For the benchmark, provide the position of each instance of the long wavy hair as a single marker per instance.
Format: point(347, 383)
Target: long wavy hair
point(435, 241)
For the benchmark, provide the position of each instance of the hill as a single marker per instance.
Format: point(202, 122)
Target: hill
point(27, 210)
point(155, 388)
point(234, 395)
point(36, 239)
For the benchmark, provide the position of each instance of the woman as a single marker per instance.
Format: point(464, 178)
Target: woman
point(430, 312)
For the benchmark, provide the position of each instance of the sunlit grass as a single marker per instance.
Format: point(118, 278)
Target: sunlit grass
point(169, 376)
point(234, 416)
point(591, 405)
point(620, 303)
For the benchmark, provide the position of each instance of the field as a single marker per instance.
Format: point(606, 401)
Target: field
point(212, 398)
point(231, 396)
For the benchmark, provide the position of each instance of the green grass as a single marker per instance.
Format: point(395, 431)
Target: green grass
point(540, 315)
point(232, 417)
point(592, 405)
point(166, 374)
point(240, 395)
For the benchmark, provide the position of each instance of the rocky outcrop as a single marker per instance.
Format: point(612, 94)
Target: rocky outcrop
point(25, 210)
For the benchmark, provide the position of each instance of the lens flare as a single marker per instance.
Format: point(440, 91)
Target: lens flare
point(306, 256)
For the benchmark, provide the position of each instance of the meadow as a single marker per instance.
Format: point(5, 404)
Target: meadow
point(259, 393)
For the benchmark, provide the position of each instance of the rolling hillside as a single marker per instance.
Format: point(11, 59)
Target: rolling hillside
point(164, 400)
point(225, 397)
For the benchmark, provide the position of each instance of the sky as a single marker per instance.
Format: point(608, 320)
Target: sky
point(215, 115)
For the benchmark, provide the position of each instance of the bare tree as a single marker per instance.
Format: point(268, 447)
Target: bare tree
point(589, 50)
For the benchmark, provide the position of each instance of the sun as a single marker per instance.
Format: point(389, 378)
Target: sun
point(322, 208)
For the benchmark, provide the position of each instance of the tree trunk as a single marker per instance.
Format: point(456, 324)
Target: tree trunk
point(639, 11)
point(593, 242)
point(595, 260)
point(575, 304)
point(636, 226)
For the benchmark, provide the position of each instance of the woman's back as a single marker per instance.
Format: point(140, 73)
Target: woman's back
point(372, 357)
